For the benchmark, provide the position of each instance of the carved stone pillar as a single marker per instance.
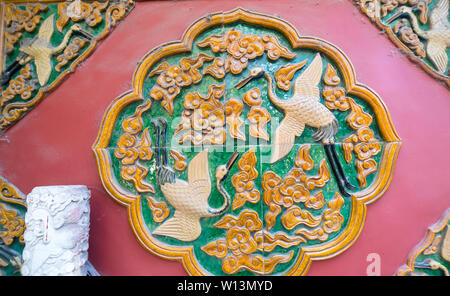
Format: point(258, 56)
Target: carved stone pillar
point(56, 237)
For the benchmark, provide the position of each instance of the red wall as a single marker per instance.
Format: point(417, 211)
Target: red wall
point(52, 144)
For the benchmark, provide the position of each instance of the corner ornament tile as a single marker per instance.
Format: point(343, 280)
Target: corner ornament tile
point(420, 28)
point(43, 43)
point(12, 227)
point(254, 184)
point(431, 257)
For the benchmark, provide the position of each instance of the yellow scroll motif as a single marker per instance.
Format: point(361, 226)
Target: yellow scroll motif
point(433, 248)
point(407, 36)
point(281, 239)
point(334, 95)
point(172, 78)
point(332, 221)
point(243, 181)
point(10, 194)
point(180, 160)
point(295, 216)
point(240, 49)
point(203, 119)
point(255, 263)
point(14, 226)
point(422, 5)
point(294, 188)
point(233, 111)
point(76, 11)
point(160, 210)
point(258, 116)
point(363, 143)
point(21, 85)
point(70, 52)
point(132, 148)
point(284, 75)
point(252, 97)
point(136, 174)
point(244, 238)
point(17, 20)
point(365, 168)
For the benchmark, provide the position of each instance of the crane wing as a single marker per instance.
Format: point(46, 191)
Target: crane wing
point(307, 84)
point(180, 226)
point(198, 168)
point(43, 68)
point(46, 29)
point(285, 135)
point(438, 17)
point(437, 53)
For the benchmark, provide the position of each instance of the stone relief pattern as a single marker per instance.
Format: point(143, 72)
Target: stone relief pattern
point(57, 234)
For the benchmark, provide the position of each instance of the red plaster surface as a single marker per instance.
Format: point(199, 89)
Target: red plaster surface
point(52, 144)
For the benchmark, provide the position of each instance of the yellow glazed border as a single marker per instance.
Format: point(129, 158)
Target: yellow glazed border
point(2, 33)
point(11, 194)
point(359, 201)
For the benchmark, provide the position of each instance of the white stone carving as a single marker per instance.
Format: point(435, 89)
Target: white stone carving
point(57, 231)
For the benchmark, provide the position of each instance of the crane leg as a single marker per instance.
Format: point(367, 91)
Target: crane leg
point(155, 123)
point(166, 174)
point(334, 168)
point(6, 75)
point(163, 123)
point(9, 72)
point(347, 183)
point(12, 256)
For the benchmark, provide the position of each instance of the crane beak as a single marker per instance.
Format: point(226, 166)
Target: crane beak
point(6, 75)
point(422, 265)
point(393, 17)
point(86, 34)
point(232, 160)
point(244, 82)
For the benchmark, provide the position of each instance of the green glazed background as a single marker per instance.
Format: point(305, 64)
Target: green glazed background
point(219, 154)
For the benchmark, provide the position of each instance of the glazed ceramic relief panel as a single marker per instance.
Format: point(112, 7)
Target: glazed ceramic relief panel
point(420, 28)
point(12, 227)
point(44, 42)
point(431, 257)
point(246, 148)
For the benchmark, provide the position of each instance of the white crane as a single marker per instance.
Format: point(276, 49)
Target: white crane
point(190, 199)
point(304, 108)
